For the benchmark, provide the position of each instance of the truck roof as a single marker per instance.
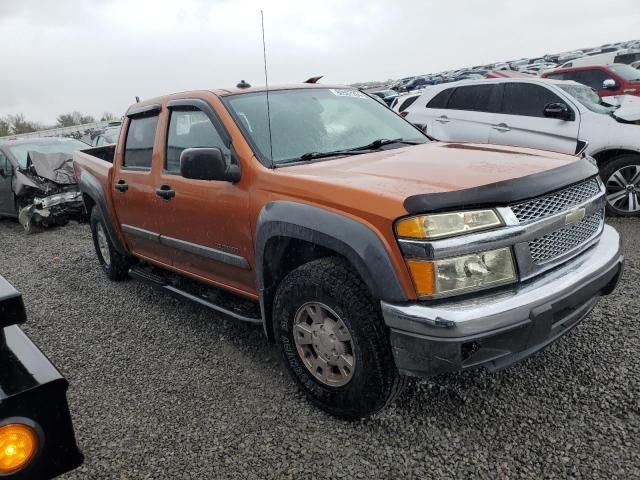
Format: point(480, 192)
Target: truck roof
point(224, 92)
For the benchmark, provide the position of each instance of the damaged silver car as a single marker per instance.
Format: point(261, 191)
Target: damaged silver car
point(37, 182)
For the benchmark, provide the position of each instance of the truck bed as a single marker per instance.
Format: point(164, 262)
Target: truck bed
point(93, 168)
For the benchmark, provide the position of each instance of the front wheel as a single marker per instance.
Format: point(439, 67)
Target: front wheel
point(114, 264)
point(333, 339)
point(621, 177)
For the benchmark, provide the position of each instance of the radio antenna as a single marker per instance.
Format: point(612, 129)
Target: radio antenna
point(266, 82)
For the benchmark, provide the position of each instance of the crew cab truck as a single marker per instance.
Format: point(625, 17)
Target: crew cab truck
point(368, 252)
point(36, 433)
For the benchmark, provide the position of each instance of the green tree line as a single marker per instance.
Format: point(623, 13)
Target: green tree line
point(18, 124)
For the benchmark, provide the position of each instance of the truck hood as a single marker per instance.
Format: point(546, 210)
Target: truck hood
point(387, 178)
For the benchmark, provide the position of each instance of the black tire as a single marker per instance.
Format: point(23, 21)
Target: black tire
point(116, 267)
point(625, 164)
point(375, 380)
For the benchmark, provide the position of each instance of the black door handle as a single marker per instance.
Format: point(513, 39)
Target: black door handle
point(122, 186)
point(165, 192)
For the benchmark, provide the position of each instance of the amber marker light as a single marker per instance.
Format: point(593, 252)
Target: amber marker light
point(18, 445)
point(422, 273)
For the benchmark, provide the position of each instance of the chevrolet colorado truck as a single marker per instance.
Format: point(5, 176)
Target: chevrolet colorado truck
point(36, 434)
point(368, 252)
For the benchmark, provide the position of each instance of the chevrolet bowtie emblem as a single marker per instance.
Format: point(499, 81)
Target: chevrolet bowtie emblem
point(574, 216)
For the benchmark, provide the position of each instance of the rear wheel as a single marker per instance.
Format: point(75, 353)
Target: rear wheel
point(621, 177)
point(114, 264)
point(333, 339)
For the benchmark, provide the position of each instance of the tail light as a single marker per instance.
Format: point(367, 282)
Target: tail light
point(404, 114)
point(18, 446)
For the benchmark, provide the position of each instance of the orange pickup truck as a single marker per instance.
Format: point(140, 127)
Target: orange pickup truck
point(368, 252)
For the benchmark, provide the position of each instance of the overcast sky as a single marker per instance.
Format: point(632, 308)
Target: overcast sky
point(97, 55)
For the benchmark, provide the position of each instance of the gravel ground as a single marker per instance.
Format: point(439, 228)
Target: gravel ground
point(162, 389)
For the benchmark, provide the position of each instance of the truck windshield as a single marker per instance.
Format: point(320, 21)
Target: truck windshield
point(21, 151)
point(627, 72)
point(317, 120)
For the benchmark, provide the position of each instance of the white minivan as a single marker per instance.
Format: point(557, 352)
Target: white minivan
point(555, 115)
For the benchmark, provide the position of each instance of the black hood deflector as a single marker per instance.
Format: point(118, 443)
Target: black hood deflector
point(503, 193)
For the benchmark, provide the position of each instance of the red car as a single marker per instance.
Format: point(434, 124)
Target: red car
point(607, 80)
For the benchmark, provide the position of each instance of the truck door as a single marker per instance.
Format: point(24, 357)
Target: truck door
point(134, 185)
point(204, 223)
point(521, 121)
point(7, 206)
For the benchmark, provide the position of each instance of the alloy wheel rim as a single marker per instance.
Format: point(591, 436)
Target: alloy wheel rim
point(623, 189)
point(103, 245)
point(324, 344)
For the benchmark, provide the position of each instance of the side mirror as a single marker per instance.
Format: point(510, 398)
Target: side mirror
point(3, 174)
point(609, 84)
point(207, 164)
point(557, 110)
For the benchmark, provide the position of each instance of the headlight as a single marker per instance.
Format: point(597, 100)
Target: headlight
point(439, 225)
point(456, 275)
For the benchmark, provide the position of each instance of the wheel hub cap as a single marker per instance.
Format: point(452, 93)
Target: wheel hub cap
point(103, 245)
point(324, 344)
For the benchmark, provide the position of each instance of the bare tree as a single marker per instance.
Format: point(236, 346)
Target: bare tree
point(20, 125)
point(73, 118)
point(107, 117)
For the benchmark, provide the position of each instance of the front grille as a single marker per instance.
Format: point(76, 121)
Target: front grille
point(556, 244)
point(556, 202)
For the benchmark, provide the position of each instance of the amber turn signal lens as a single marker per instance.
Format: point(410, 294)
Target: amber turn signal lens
point(422, 274)
point(18, 445)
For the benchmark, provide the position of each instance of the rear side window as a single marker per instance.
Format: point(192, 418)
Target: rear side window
point(407, 103)
point(526, 99)
point(140, 138)
point(592, 78)
point(190, 128)
point(561, 76)
point(441, 99)
point(5, 166)
point(476, 98)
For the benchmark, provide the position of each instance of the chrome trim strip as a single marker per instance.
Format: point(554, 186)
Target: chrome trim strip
point(206, 252)
point(140, 233)
point(193, 248)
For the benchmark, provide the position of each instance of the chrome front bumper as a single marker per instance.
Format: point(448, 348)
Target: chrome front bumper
point(497, 329)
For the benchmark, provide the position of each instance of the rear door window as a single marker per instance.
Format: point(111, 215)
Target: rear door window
point(526, 99)
point(475, 98)
point(139, 145)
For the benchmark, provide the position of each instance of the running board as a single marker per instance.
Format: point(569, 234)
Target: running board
point(178, 286)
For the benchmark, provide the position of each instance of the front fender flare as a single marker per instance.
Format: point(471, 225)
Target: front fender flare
point(360, 245)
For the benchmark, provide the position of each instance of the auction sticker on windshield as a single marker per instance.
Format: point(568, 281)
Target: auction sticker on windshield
point(347, 92)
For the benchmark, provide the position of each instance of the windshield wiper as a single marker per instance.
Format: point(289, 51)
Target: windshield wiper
point(349, 151)
point(381, 142)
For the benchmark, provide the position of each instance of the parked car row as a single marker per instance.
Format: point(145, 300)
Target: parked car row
point(547, 114)
point(620, 53)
